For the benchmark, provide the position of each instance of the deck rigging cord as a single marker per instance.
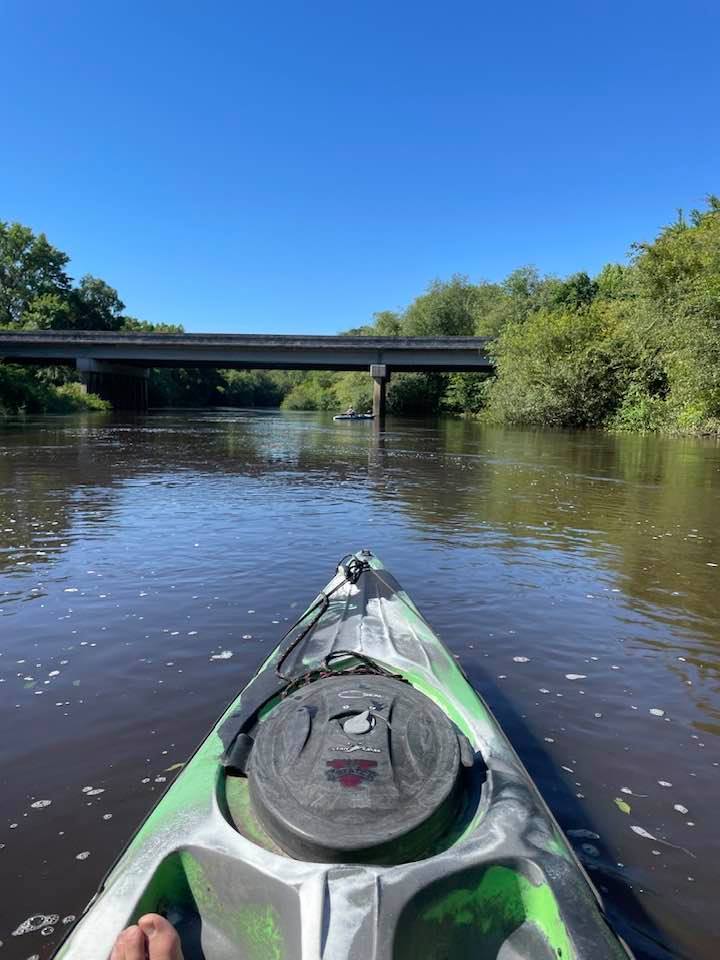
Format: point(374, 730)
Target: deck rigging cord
point(352, 568)
point(352, 571)
point(365, 666)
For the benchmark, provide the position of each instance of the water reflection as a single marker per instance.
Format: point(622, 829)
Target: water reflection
point(162, 556)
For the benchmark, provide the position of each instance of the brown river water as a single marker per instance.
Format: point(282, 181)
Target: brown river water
point(577, 577)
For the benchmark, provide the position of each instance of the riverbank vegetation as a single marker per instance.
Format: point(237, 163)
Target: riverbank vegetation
point(636, 347)
point(36, 293)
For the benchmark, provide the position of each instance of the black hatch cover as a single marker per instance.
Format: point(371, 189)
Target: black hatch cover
point(355, 769)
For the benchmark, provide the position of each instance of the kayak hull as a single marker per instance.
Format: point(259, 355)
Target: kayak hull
point(502, 883)
point(356, 416)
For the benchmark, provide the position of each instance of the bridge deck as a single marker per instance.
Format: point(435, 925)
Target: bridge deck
point(248, 351)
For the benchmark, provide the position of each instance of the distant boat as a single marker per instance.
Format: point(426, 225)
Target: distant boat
point(354, 416)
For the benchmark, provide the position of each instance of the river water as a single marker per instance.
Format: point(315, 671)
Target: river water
point(134, 552)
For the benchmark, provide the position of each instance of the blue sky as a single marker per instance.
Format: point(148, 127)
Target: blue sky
point(295, 167)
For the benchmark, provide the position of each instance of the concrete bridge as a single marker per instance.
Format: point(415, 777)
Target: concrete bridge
point(116, 365)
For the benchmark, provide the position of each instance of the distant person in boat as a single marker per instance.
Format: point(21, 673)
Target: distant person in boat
point(151, 938)
point(350, 412)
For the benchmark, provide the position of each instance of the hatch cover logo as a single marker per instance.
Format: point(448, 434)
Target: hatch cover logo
point(351, 773)
point(352, 748)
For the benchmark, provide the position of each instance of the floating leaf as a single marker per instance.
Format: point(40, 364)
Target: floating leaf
point(631, 794)
point(642, 832)
point(174, 766)
point(622, 805)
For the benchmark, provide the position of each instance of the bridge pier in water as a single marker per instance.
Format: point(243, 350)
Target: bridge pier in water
point(380, 374)
point(122, 385)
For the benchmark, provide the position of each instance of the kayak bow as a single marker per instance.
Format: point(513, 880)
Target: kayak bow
point(358, 801)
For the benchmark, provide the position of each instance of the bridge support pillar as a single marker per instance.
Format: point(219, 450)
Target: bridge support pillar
point(380, 374)
point(125, 387)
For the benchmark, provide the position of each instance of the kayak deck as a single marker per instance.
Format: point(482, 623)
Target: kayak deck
point(501, 882)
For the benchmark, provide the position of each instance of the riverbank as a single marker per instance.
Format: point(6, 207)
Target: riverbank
point(28, 391)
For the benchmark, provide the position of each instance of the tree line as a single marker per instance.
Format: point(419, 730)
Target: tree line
point(37, 293)
point(636, 347)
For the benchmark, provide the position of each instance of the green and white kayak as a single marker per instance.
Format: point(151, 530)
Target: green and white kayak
point(358, 801)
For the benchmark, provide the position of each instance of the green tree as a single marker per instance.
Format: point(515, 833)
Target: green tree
point(521, 293)
point(492, 309)
point(576, 292)
point(313, 391)
point(354, 390)
point(558, 368)
point(132, 324)
point(447, 309)
point(527, 291)
point(49, 311)
point(95, 305)
point(250, 388)
point(615, 281)
point(30, 269)
point(678, 318)
point(387, 323)
point(465, 393)
point(416, 394)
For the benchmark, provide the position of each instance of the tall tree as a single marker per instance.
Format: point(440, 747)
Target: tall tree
point(576, 292)
point(30, 268)
point(387, 323)
point(95, 305)
point(447, 309)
